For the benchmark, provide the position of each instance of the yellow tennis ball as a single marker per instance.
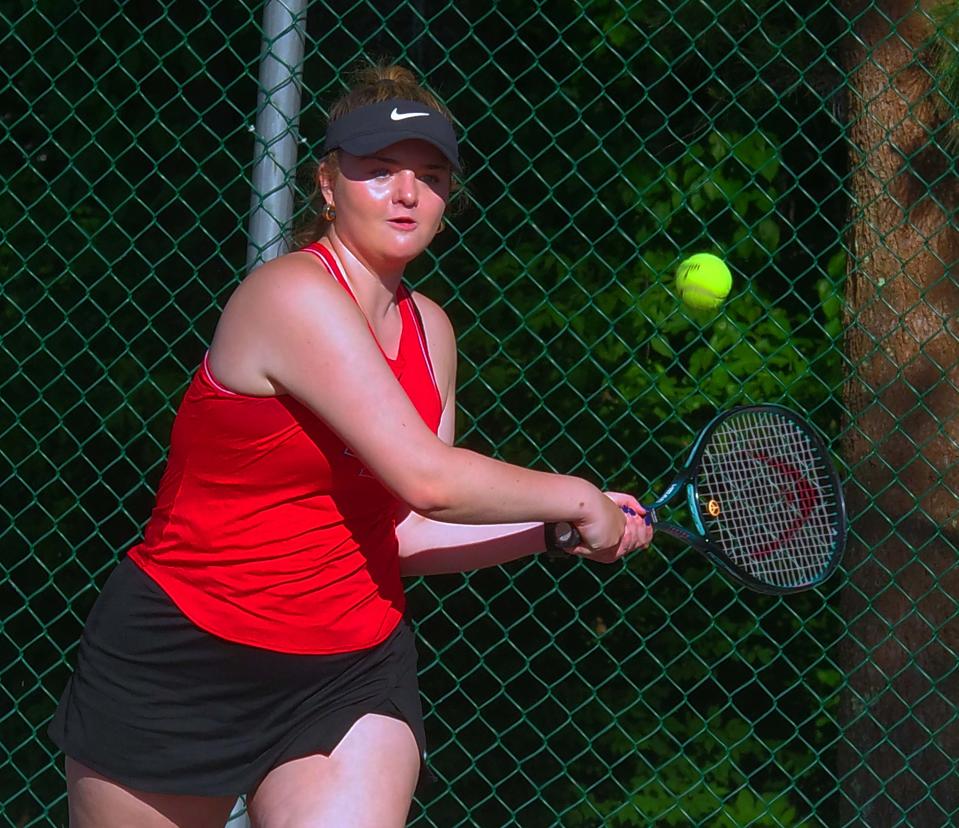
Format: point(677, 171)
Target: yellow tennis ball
point(703, 281)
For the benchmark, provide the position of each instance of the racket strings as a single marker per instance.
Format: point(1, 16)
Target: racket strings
point(769, 499)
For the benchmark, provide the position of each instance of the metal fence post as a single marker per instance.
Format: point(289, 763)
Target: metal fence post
point(276, 130)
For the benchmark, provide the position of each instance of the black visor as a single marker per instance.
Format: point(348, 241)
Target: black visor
point(371, 128)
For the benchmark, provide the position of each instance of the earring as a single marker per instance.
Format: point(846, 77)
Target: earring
point(442, 226)
point(328, 212)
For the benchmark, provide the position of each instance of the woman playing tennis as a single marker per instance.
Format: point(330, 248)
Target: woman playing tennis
point(254, 642)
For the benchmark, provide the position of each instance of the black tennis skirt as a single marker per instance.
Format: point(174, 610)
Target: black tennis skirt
point(160, 705)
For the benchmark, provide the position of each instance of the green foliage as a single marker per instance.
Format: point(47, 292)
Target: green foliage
point(614, 332)
point(944, 47)
point(695, 746)
point(578, 353)
point(606, 315)
point(605, 142)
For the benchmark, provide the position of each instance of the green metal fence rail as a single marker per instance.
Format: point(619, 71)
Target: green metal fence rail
point(812, 145)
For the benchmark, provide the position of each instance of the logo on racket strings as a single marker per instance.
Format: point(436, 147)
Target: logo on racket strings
point(713, 508)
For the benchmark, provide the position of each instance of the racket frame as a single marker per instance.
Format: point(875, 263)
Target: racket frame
point(701, 540)
point(685, 480)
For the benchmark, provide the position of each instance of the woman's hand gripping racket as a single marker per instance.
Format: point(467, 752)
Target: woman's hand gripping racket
point(765, 500)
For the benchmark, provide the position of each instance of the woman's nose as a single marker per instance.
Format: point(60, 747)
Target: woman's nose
point(405, 182)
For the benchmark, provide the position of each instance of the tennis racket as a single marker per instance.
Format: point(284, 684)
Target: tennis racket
point(765, 500)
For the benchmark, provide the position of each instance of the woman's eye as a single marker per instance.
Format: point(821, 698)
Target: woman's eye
point(381, 172)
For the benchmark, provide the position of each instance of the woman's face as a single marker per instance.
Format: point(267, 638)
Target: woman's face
point(389, 205)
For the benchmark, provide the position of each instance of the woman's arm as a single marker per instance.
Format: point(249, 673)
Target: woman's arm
point(292, 325)
point(432, 547)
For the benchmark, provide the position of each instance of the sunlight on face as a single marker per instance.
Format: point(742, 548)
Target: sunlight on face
point(389, 204)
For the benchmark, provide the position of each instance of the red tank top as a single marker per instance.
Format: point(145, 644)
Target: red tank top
point(267, 530)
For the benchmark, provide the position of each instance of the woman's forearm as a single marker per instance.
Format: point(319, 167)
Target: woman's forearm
point(432, 547)
point(456, 485)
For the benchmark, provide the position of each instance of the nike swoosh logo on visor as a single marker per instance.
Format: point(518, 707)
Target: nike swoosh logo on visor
point(402, 116)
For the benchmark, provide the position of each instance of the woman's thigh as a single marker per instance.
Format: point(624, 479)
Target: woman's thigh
point(366, 782)
point(96, 801)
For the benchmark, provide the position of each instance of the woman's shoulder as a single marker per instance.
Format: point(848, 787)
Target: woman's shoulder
point(279, 306)
point(292, 267)
point(295, 279)
point(294, 289)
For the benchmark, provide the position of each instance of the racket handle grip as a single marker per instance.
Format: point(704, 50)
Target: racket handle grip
point(560, 538)
point(567, 536)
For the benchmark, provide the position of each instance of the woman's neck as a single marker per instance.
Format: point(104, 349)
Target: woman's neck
point(375, 291)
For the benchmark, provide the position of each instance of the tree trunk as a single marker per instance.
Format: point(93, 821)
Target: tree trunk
point(898, 754)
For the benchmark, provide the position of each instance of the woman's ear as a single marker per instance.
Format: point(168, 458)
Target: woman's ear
point(325, 177)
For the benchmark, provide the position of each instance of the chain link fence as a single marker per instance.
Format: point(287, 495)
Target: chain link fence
point(807, 143)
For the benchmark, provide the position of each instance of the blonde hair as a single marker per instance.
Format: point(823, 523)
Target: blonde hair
point(380, 82)
point(371, 84)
